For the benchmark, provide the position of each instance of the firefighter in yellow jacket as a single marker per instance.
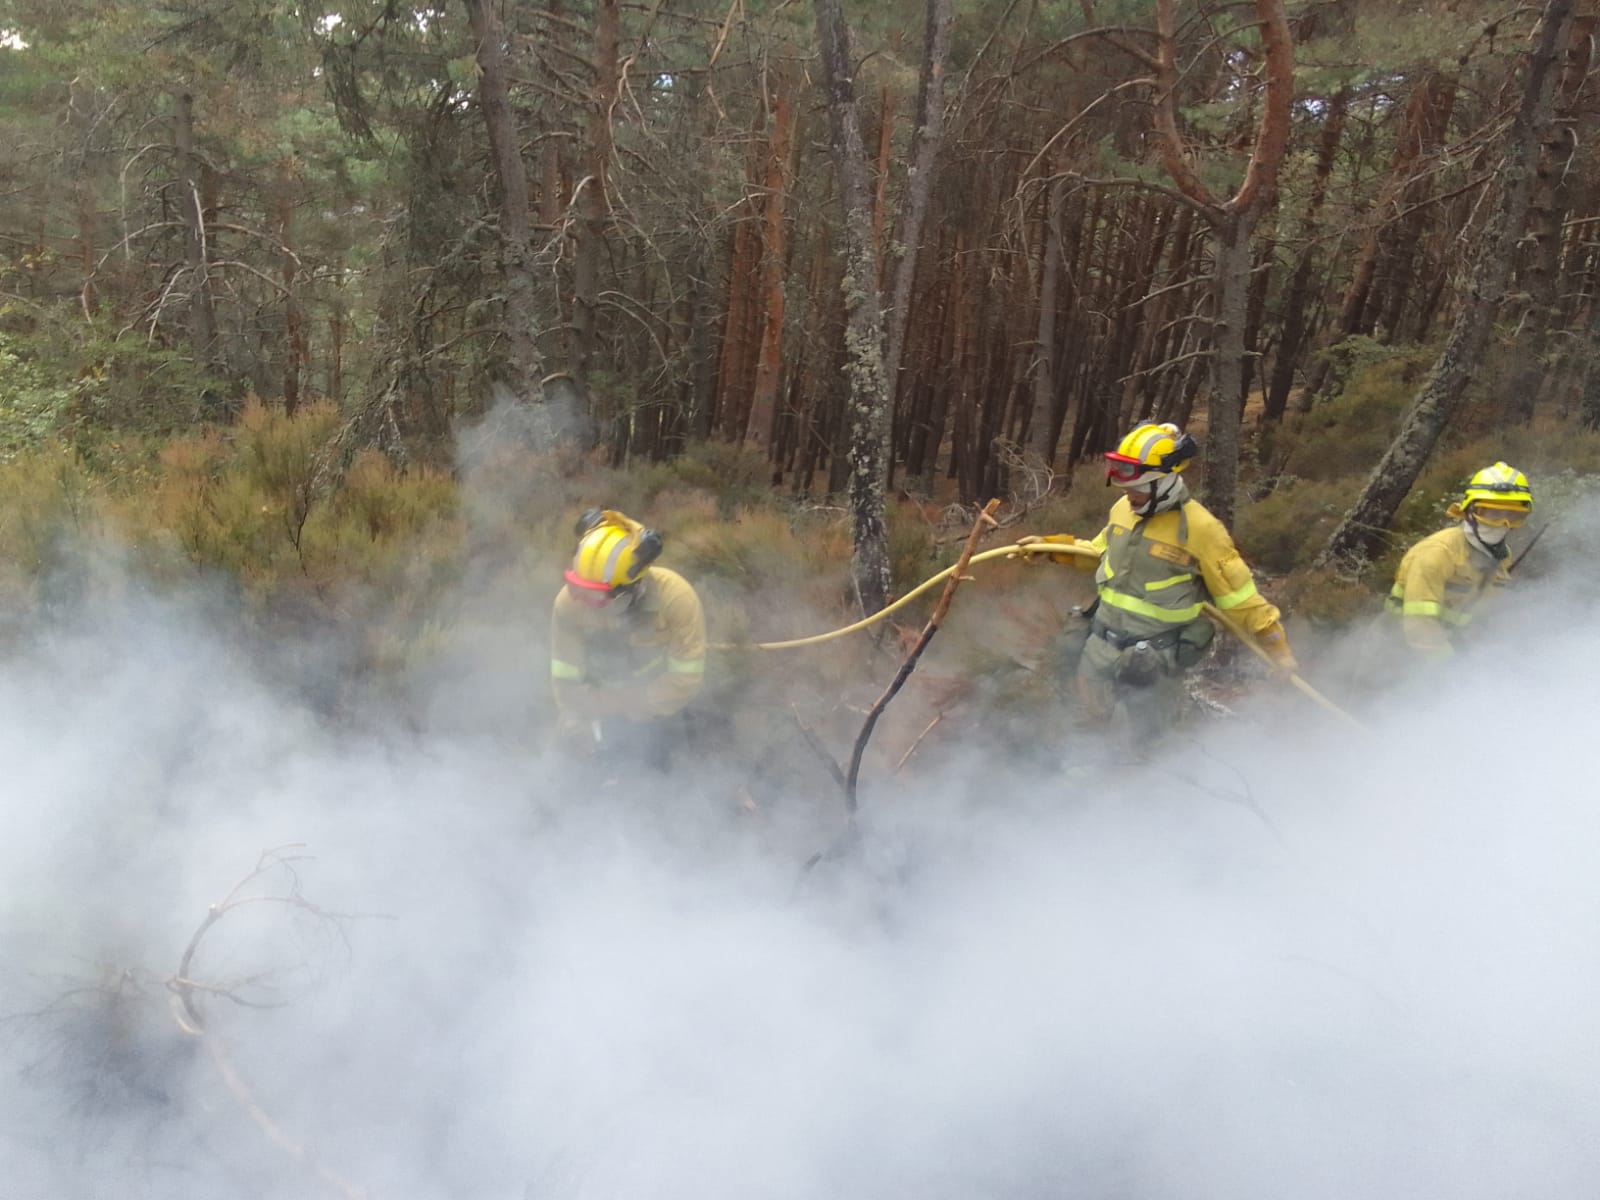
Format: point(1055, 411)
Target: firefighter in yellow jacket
point(1162, 555)
point(1444, 576)
point(627, 641)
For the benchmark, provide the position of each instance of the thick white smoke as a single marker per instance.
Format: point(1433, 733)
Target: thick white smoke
point(1289, 960)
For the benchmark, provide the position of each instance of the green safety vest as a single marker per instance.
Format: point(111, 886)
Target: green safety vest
point(1148, 585)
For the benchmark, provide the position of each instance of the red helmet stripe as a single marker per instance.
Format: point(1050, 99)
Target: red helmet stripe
point(578, 581)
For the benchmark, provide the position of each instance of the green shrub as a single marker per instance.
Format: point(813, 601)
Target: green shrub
point(914, 550)
point(1347, 433)
point(1286, 530)
point(44, 495)
point(32, 402)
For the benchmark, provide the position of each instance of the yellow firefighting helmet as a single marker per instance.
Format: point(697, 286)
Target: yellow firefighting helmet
point(1498, 495)
point(613, 551)
point(1147, 451)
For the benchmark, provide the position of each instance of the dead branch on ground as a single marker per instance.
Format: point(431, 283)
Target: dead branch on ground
point(191, 1020)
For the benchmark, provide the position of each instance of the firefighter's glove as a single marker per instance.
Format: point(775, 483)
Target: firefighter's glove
point(1276, 643)
point(1085, 562)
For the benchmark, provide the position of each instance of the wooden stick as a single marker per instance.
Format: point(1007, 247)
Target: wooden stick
point(985, 521)
point(819, 749)
point(904, 758)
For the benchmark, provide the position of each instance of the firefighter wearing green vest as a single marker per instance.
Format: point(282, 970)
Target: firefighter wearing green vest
point(1444, 576)
point(1162, 556)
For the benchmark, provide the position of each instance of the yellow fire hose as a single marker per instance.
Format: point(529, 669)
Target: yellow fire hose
point(1016, 549)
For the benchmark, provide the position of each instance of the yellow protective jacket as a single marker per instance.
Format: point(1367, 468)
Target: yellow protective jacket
point(639, 657)
point(1155, 573)
point(1440, 581)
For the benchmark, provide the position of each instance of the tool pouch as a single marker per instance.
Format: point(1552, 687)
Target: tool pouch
point(1194, 639)
point(1139, 665)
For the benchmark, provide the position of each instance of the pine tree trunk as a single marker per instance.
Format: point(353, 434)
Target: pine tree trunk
point(294, 333)
point(1418, 136)
point(1232, 221)
point(1547, 211)
point(525, 364)
point(1041, 430)
point(196, 249)
point(774, 258)
point(1298, 296)
point(1140, 320)
point(945, 381)
point(868, 402)
point(1589, 400)
point(1393, 286)
point(738, 349)
point(1358, 534)
point(88, 238)
point(1230, 297)
point(926, 142)
point(594, 199)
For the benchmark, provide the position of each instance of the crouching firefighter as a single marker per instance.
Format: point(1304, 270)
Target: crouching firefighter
point(627, 644)
point(1162, 555)
point(1444, 576)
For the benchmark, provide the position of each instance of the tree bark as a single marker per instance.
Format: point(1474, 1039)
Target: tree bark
point(1042, 433)
point(1358, 534)
point(774, 258)
point(1547, 211)
point(738, 350)
point(1589, 399)
point(868, 400)
point(294, 331)
point(926, 140)
point(594, 201)
point(1420, 132)
point(525, 365)
point(1399, 240)
point(952, 351)
point(1232, 222)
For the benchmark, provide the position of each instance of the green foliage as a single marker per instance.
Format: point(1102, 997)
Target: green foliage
point(261, 503)
point(1286, 530)
point(45, 496)
point(1329, 598)
point(1348, 433)
point(32, 399)
point(734, 476)
point(914, 553)
point(59, 373)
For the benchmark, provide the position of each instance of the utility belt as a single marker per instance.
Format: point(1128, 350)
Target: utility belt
point(1127, 641)
point(1143, 657)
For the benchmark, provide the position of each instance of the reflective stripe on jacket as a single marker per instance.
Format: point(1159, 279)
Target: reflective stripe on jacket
point(638, 658)
point(1155, 572)
point(1439, 582)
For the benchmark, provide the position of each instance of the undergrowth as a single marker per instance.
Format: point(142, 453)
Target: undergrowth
point(308, 535)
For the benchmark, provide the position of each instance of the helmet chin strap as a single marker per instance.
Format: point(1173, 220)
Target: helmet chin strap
point(1168, 491)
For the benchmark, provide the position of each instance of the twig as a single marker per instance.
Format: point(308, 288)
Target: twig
point(821, 751)
point(904, 758)
point(192, 1022)
point(985, 521)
